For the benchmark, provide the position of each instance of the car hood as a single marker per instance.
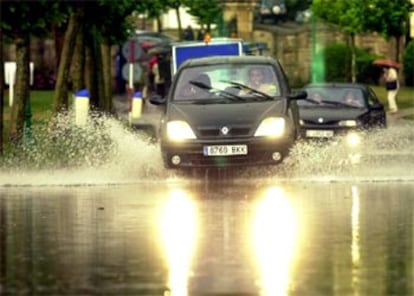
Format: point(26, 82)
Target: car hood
point(330, 114)
point(218, 114)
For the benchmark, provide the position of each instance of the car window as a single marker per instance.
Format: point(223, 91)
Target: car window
point(225, 78)
point(343, 95)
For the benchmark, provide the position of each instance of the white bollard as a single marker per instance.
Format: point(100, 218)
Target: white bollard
point(81, 107)
point(136, 107)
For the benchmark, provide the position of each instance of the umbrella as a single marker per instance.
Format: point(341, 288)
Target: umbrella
point(386, 63)
point(160, 49)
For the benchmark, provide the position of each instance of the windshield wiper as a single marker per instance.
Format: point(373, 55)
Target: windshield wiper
point(313, 101)
point(327, 102)
point(228, 95)
point(255, 91)
point(338, 103)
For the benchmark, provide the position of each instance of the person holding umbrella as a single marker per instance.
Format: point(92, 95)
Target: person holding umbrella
point(391, 82)
point(392, 86)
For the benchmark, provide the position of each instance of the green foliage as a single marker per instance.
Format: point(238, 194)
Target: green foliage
point(31, 17)
point(110, 18)
point(386, 17)
point(408, 62)
point(206, 12)
point(343, 13)
point(337, 59)
point(367, 72)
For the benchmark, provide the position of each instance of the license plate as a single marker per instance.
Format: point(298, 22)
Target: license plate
point(319, 134)
point(224, 150)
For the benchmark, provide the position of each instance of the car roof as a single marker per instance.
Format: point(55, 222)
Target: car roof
point(213, 60)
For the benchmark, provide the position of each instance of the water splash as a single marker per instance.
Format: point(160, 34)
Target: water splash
point(107, 151)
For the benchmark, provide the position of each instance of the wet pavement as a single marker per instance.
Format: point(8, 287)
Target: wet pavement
point(220, 238)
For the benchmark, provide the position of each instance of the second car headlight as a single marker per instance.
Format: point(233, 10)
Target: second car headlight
point(273, 127)
point(349, 123)
point(179, 130)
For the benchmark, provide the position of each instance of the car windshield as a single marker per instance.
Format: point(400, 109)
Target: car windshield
point(227, 83)
point(333, 96)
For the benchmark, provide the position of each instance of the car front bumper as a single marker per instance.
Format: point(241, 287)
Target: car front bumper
point(260, 151)
point(353, 136)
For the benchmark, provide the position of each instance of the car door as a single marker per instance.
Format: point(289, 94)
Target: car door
point(377, 110)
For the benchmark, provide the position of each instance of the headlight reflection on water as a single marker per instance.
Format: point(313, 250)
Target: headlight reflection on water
point(274, 233)
point(355, 246)
point(178, 231)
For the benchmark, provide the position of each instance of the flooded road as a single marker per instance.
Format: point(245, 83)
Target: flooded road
point(319, 224)
point(282, 239)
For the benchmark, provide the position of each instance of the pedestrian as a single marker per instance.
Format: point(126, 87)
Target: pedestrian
point(201, 33)
point(392, 86)
point(188, 33)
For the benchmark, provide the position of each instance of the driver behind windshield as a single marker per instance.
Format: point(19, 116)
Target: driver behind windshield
point(257, 80)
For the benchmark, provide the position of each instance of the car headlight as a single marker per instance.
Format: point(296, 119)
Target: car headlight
point(273, 127)
point(276, 9)
point(348, 123)
point(353, 139)
point(179, 130)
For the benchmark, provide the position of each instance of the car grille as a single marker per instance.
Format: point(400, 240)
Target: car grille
point(214, 132)
point(325, 123)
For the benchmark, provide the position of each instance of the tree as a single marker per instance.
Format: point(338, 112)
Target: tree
point(88, 39)
point(60, 98)
point(1, 91)
point(19, 21)
point(207, 12)
point(345, 14)
point(388, 18)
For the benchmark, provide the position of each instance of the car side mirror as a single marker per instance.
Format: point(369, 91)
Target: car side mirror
point(377, 106)
point(157, 100)
point(298, 95)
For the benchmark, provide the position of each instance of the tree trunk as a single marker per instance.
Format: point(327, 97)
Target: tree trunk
point(78, 64)
point(353, 58)
point(58, 36)
point(399, 52)
point(93, 71)
point(180, 28)
point(1, 91)
point(22, 89)
point(107, 76)
point(60, 99)
point(159, 24)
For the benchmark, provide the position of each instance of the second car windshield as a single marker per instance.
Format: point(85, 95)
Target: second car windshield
point(332, 95)
point(229, 81)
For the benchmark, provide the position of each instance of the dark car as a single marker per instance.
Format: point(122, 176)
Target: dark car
point(273, 10)
point(333, 109)
point(214, 117)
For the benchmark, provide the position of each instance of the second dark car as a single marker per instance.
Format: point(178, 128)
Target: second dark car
point(218, 114)
point(333, 109)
